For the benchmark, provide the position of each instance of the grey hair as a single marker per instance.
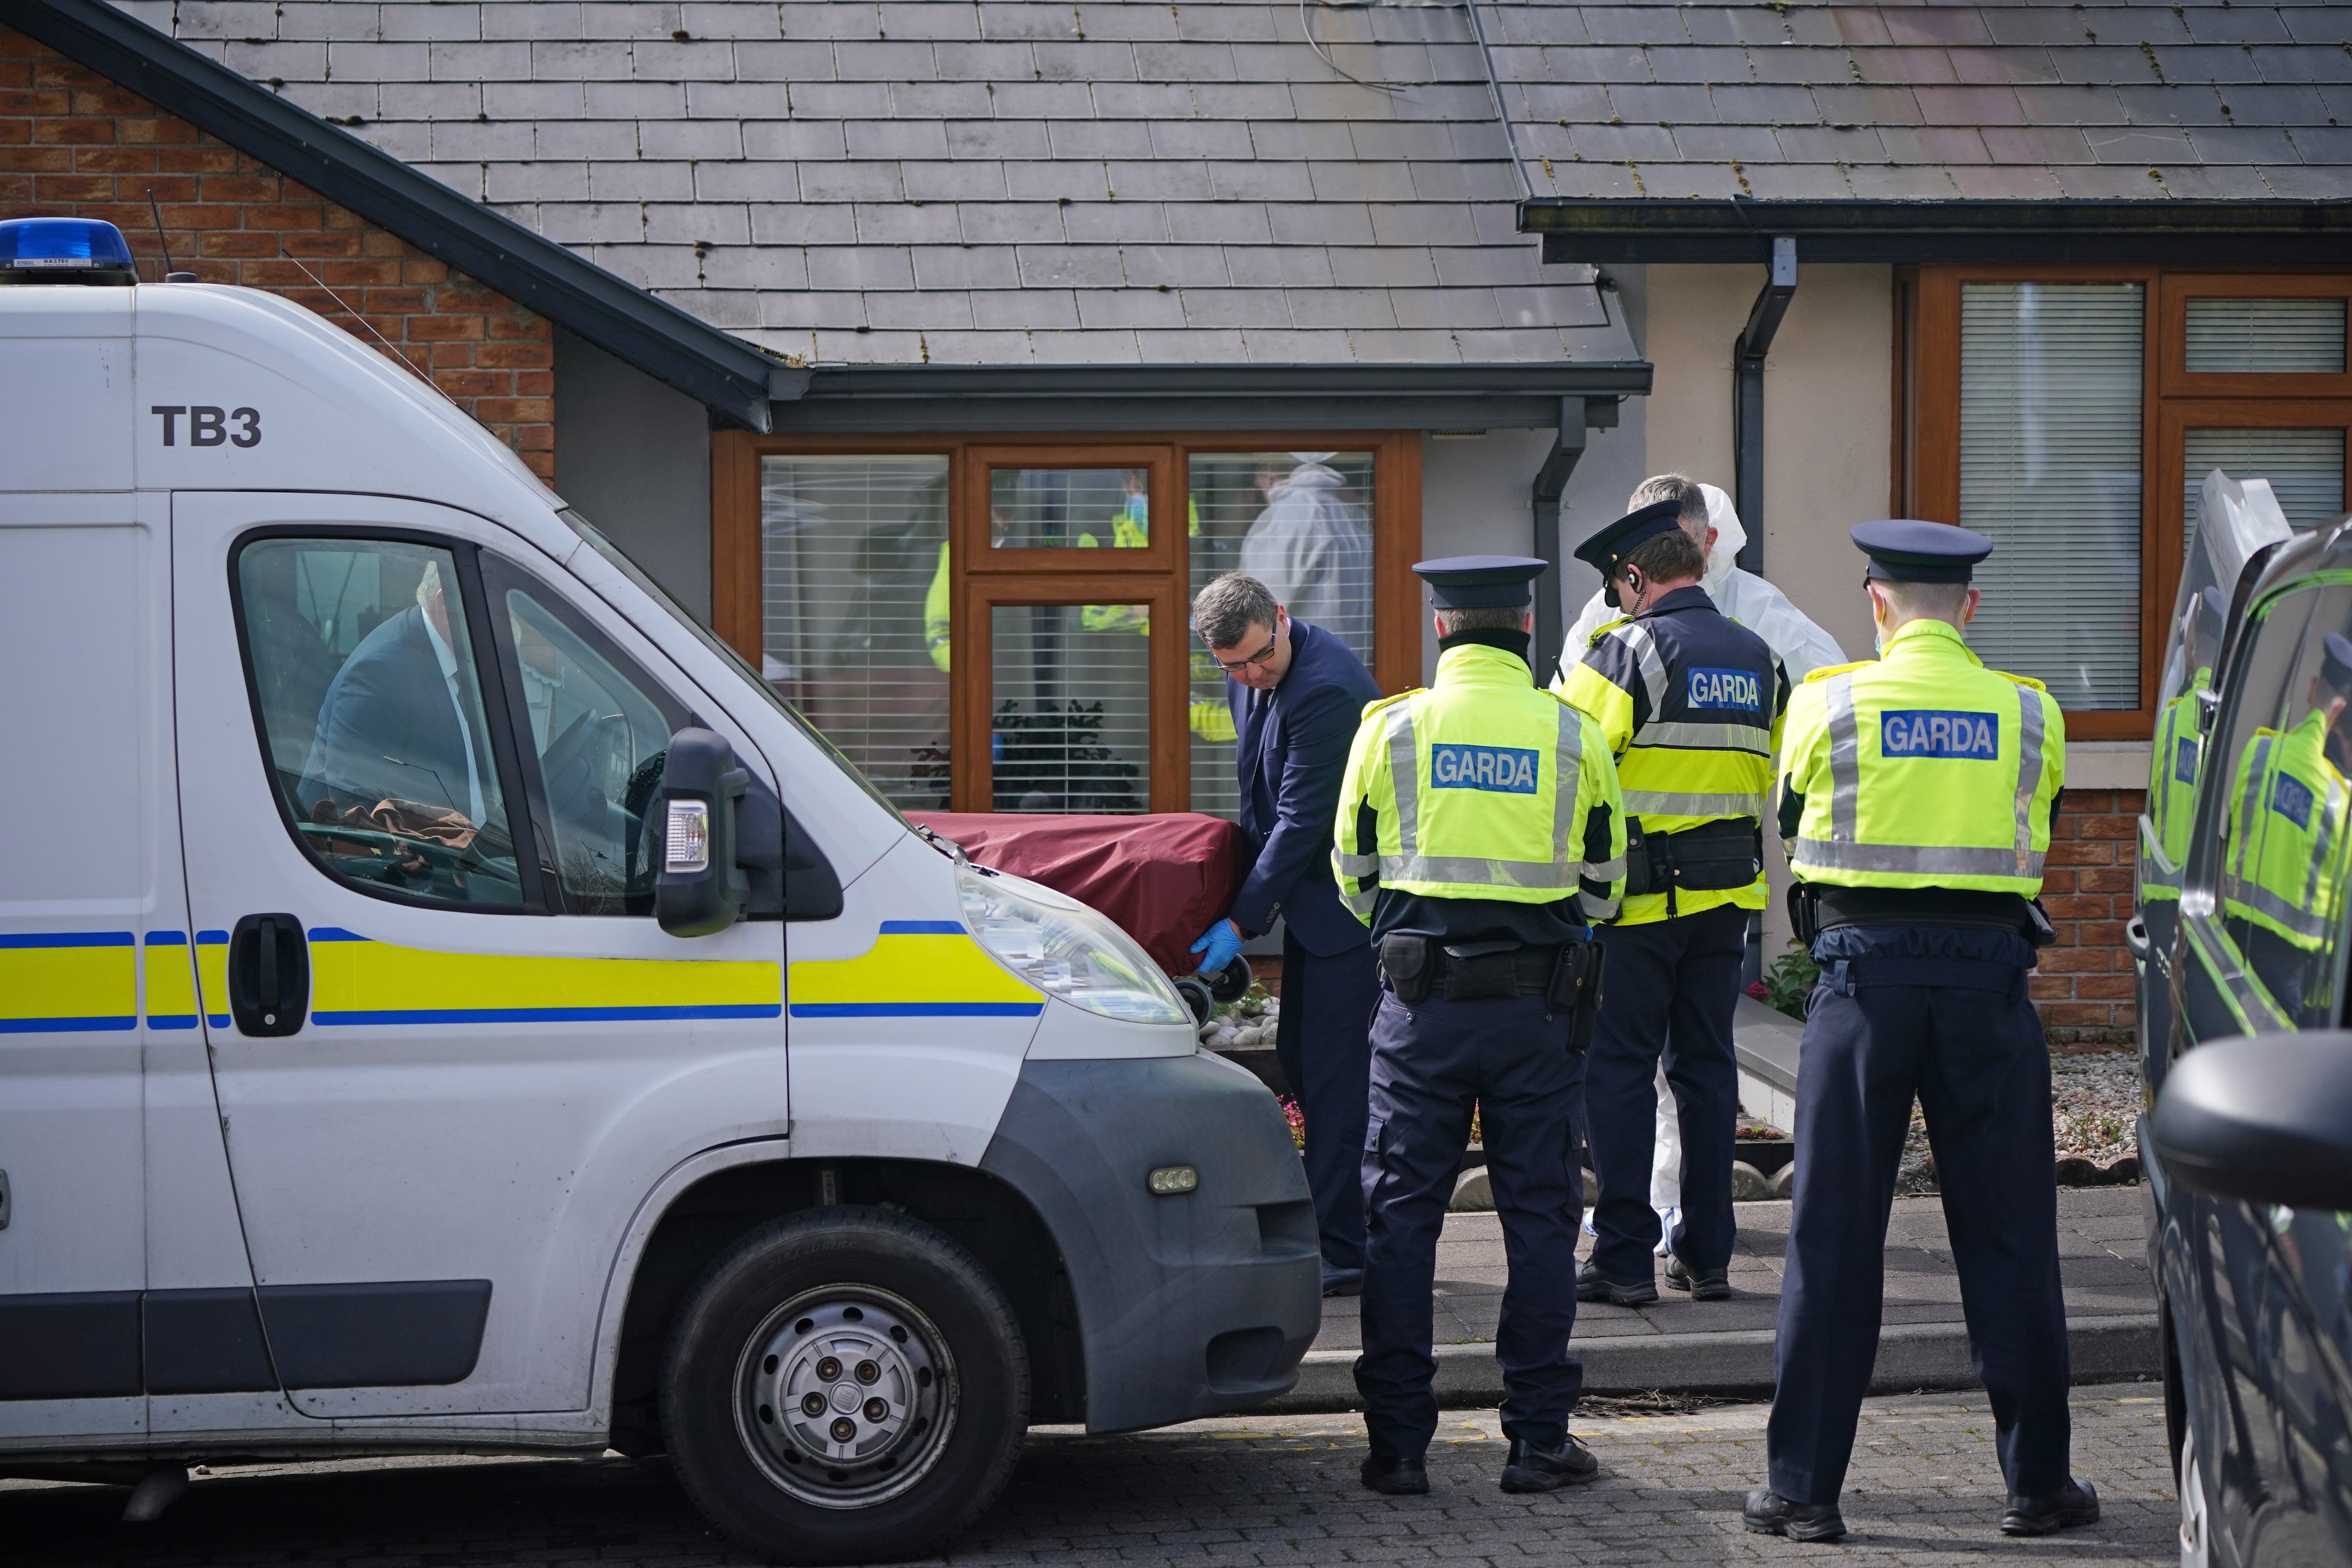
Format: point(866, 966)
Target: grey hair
point(1224, 611)
point(1679, 488)
point(1485, 618)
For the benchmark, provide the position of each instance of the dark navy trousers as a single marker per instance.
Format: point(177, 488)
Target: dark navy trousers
point(1669, 989)
point(1322, 1040)
point(1942, 1014)
point(1430, 1063)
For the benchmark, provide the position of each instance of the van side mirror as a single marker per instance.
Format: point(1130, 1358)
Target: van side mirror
point(700, 889)
point(2267, 1120)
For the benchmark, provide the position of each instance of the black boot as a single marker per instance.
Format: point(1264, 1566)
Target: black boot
point(1530, 1468)
point(1714, 1285)
point(1395, 1475)
point(1770, 1513)
point(1592, 1285)
point(2072, 1504)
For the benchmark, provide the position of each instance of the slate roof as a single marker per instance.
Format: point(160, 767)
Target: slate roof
point(946, 181)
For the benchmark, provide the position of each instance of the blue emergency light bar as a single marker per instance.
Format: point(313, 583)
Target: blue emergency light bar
point(63, 250)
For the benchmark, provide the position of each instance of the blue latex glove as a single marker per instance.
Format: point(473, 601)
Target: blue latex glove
point(1219, 943)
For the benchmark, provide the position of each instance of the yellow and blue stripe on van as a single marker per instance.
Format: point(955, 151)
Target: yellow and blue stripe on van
point(357, 980)
point(171, 981)
point(915, 969)
point(68, 981)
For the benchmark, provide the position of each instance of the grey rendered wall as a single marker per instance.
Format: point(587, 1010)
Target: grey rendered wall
point(1476, 493)
point(632, 456)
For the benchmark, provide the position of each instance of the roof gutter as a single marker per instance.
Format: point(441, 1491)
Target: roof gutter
point(717, 370)
point(900, 398)
point(1738, 229)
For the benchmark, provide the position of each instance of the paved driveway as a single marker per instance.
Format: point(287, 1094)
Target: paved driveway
point(1278, 1490)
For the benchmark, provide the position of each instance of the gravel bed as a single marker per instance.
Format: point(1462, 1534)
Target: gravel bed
point(2094, 1100)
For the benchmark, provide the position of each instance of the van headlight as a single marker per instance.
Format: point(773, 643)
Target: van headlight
point(1066, 950)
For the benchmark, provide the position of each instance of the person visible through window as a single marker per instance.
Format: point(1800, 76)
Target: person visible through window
point(400, 720)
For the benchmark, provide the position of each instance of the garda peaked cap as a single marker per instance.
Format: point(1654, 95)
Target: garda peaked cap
point(1613, 543)
point(1903, 551)
point(2335, 663)
point(1480, 581)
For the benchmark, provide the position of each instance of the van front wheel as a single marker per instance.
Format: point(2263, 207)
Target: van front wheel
point(845, 1386)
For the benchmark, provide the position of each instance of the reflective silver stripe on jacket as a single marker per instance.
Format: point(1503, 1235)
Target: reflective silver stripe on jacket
point(1410, 864)
point(1691, 734)
point(2029, 773)
point(1357, 866)
point(1845, 757)
point(1842, 851)
point(2322, 846)
point(1925, 860)
point(2250, 894)
point(1647, 658)
point(2250, 811)
point(1674, 803)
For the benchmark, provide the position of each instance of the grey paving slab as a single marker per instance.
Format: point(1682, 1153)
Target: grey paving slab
point(1243, 1490)
point(2101, 1260)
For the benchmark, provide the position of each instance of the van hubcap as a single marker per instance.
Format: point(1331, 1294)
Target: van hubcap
point(846, 1396)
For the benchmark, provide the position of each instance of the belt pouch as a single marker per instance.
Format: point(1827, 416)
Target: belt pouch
point(1567, 975)
point(1479, 970)
point(1588, 1000)
point(1640, 876)
point(1711, 860)
point(1804, 912)
point(1404, 960)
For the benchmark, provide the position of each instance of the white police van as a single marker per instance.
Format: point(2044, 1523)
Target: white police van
point(448, 1003)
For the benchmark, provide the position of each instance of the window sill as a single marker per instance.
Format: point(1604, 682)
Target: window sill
point(2106, 764)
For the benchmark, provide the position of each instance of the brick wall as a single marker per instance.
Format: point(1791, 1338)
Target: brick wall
point(2084, 988)
point(73, 144)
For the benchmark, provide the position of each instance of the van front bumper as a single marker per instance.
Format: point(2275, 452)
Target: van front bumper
point(1191, 1305)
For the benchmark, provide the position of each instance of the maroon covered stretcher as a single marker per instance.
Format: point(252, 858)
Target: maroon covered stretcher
point(1163, 879)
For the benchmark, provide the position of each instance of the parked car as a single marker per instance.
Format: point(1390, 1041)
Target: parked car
point(448, 1001)
point(2241, 937)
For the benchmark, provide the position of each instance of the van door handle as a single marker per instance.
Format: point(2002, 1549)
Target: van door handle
point(269, 975)
point(2136, 938)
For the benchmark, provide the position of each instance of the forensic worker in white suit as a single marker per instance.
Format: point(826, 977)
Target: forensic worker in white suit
point(1800, 646)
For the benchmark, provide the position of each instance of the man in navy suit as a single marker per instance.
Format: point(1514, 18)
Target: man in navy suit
point(1298, 693)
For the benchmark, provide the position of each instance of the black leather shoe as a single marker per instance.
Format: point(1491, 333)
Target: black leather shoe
point(1530, 1468)
point(1396, 1477)
point(1768, 1513)
point(1592, 1285)
point(2073, 1505)
point(1714, 1285)
point(1342, 1281)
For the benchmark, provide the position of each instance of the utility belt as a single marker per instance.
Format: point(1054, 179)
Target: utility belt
point(1566, 977)
point(1708, 858)
point(1815, 908)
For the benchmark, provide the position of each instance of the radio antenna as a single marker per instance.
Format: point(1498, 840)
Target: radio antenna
point(393, 353)
point(160, 240)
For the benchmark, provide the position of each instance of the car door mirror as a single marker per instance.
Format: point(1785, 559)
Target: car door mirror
point(2266, 1119)
point(700, 889)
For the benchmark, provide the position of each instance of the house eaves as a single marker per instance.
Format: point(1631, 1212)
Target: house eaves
point(2175, 231)
point(717, 370)
point(931, 398)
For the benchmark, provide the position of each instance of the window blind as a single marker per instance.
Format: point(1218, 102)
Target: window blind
point(1301, 522)
point(2276, 337)
point(1072, 707)
point(855, 602)
point(2050, 415)
point(2306, 468)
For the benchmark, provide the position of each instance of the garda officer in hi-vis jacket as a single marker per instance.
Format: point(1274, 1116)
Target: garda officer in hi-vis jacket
point(1917, 793)
point(1478, 835)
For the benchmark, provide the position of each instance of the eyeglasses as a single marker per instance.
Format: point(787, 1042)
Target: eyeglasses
point(1236, 667)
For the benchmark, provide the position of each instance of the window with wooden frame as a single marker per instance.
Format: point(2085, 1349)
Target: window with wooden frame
point(2069, 414)
point(991, 624)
